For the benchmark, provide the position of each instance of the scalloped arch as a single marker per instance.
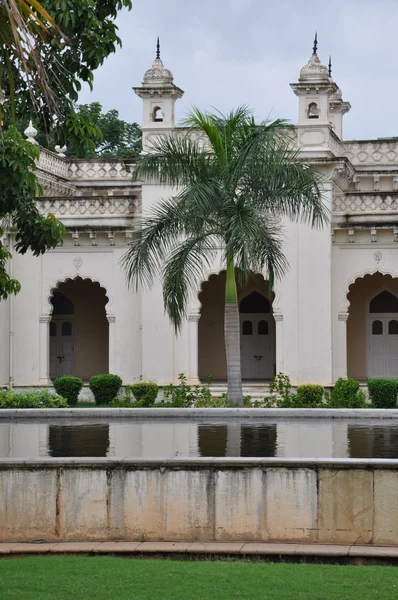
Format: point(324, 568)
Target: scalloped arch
point(196, 306)
point(73, 277)
point(345, 303)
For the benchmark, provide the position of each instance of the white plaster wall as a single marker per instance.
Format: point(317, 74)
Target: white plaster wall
point(158, 338)
point(25, 324)
point(4, 340)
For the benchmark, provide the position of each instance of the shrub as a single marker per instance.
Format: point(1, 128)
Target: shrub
point(346, 394)
point(69, 388)
point(187, 396)
point(105, 387)
point(309, 395)
point(31, 399)
point(145, 392)
point(383, 392)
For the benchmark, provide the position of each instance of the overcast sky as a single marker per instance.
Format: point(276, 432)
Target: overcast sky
point(224, 53)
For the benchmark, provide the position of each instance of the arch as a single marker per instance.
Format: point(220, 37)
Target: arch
point(79, 344)
point(384, 302)
point(344, 302)
point(51, 290)
point(254, 302)
point(258, 349)
point(373, 304)
point(157, 114)
point(313, 111)
point(196, 305)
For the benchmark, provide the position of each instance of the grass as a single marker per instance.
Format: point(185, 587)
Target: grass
point(107, 578)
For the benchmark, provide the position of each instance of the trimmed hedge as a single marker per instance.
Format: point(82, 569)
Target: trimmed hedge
point(31, 399)
point(309, 395)
point(105, 387)
point(69, 388)
point(346, 394)
point(144, 392)
point(383, 392)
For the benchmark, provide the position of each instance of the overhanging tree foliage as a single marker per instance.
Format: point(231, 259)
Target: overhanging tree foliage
point(232, 196)
point(47, 50)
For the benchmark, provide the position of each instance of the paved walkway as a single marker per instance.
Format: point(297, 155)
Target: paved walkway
point(238, 548)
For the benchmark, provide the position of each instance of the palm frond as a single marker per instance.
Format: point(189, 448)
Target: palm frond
point(184, 269)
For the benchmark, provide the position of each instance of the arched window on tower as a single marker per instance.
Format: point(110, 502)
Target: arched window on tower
point(157, 115)
point(313, 111)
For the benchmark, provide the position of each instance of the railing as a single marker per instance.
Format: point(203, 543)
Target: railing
point(366, 203)
point(379, 152)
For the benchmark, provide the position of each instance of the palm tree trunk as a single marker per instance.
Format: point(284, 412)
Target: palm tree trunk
point(232, 337)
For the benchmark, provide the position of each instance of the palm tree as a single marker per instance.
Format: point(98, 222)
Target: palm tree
point(230, 197)
point(24, 26)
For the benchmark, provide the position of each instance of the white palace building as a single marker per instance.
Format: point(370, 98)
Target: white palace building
point(335, 313)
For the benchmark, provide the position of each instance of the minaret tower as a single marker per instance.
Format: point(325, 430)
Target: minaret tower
point(158, 93)
point(337, 107)
point(313, 89)
point(320, 103)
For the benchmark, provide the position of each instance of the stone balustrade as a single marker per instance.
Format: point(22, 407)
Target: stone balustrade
point(336, 501)
point(373, 152)
point(362, 203)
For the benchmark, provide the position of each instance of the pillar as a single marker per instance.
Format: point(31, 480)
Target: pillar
point(340, 347)
point(112, 344)
point(44, 346)
point(193, 326)
point(280, 362)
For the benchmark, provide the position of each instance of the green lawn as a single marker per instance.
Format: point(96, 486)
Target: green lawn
point(103, 578)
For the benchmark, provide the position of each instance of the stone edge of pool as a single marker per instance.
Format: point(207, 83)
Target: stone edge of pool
point(195, 463)
point(208, 413)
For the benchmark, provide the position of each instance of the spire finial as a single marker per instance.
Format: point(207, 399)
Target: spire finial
point(330, 65)
point(158, 48)
point(315, 48)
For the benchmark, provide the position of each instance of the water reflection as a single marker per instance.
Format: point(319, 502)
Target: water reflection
point(311, 438)
point(86, 440)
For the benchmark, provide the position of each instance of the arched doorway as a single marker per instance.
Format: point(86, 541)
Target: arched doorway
point(79, 330)
point(372, 328)
point(257, 330)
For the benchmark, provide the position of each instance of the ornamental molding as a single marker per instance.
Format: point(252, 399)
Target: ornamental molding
point(376, 152)
point(96, 206)
point(98, 170)
point(345, 303)
point(365, 203)
point(51, 289)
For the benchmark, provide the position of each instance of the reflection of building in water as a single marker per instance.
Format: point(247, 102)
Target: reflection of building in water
point(153, 440)
point(312, 439)
point(370, 441)
point(23, 440)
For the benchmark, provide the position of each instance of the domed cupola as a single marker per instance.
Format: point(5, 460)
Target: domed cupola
point(314, 70)
point(158, 74)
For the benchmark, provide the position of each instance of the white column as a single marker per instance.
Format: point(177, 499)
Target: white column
point(112, 344)
point(44, 345)
point(280, 362)
point(193, 322)
point(340, 349)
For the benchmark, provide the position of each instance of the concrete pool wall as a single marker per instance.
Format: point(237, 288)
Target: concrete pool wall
point(347, 501)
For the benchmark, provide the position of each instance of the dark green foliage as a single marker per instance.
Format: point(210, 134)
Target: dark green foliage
point(69, 388)
point(144, 392)
point(346, 394)
point(188, 396)
point(31, 399)
point(91, 36)
point(19, 190)
point(105, 387)
point(309, 395)
point(383, 392)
